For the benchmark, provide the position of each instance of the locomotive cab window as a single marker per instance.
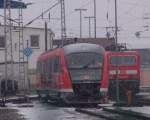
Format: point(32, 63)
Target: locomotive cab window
point(85, 66)
point(122, 60)
point(85, 60)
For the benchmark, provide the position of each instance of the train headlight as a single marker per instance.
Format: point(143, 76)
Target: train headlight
point(104, 95)
point(104, 91)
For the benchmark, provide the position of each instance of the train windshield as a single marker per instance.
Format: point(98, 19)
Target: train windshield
point(85, 66)
point(84, 60)
point(122, 60)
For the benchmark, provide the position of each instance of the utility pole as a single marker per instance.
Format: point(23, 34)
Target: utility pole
point(80, 10)
point(45, 28)
point(89, 18)
point(116, 44)
point(8, 40)
point(63, 22)
point(95, 18)
point(5, 36)
point(29, 84)
point(22, 77)
point(45, 36)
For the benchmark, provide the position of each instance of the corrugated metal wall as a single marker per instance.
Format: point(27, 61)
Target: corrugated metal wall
point(145, 77)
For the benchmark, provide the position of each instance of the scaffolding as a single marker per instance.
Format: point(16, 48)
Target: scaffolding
point(63, 22)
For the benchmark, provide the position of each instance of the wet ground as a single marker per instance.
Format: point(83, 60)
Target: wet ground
point(142, 110)
point(45, 111)
point(10, 114)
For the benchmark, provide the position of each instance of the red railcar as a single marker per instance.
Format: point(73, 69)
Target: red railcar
point(124, 67)
point(73, 74)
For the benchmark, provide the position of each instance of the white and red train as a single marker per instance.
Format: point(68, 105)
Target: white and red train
point(83, 73)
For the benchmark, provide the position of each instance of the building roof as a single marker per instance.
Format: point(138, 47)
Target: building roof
point(145, 57)
point(100, 41)
point(35, 28)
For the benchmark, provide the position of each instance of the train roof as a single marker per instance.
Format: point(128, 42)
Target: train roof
point(83, 47)
point(122, 52)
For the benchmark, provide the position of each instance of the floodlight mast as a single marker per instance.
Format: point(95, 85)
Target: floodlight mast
point(80, 10)
point(116, 49)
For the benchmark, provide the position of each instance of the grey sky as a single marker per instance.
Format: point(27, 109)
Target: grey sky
point(130, 18)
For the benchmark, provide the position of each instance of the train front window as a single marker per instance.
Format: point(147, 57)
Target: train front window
point(84, 60)
point(122, 60)
point(85, 66)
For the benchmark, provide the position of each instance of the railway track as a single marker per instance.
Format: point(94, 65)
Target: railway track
point(100, 114)
point(114, 114)
point(143, 101)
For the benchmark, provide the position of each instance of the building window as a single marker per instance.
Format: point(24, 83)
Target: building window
point(34, 40)
point(2, 42)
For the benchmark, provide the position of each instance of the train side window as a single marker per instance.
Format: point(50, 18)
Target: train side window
point(46, 71)
point(57, 64)
point(49, 69)
point(38, 67)
point(43, 68)
point(43, 71)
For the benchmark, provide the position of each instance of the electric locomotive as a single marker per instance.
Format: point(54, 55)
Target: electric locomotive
point(124, 68)
point(72, 74)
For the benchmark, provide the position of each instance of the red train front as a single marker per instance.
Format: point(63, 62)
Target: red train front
point(124, 67)
point(73, 74)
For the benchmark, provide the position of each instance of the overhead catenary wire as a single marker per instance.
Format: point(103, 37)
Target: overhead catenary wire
point(70, 13)
point(9, 19)
point(30, 22)
point(122, 23)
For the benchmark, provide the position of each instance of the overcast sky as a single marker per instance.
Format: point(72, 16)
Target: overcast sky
point(131, 14)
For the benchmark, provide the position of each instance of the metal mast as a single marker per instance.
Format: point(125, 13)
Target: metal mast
point(21, 48)
point(63, 22)
point(89, 18)
point(8, 40)
point(80, 10)
point(95, 18)
point(116, 48)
